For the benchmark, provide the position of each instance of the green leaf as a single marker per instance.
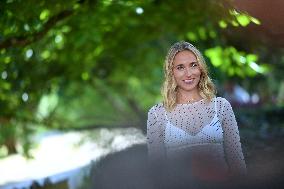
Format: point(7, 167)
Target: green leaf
point(192, 36)
point(252, 58)
point(255, 20)
point(223, 24)
point(44, 14)
point(243, 19)
point(215, 55)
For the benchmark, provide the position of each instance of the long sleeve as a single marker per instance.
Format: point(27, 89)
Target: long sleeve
point(232, 144)
point(155, 135)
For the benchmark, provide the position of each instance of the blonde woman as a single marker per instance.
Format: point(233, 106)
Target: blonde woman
point(192, 122)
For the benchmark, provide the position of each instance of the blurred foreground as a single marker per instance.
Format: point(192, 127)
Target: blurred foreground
point(129, 169)
point(64, 156)
point(117, 158)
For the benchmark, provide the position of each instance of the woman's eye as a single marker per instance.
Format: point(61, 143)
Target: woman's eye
point(180, 67)
point(194, 65)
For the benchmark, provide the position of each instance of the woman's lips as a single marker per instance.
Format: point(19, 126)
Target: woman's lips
point(188, 81)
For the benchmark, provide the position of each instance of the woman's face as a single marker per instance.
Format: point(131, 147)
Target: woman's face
point(186, 71)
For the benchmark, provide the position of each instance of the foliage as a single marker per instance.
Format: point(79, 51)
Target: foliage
point(114, 50)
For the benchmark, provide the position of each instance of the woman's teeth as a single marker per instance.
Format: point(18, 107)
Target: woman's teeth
point(188, 81)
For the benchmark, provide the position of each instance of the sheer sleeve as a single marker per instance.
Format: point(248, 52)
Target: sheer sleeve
point(155, 134)
point(232, 144)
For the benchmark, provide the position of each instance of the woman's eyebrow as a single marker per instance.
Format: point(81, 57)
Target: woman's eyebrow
point(180, 65)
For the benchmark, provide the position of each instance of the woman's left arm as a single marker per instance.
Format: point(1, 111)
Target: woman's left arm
point(232, 144)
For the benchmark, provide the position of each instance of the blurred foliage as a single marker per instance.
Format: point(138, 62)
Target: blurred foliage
point(77, 63)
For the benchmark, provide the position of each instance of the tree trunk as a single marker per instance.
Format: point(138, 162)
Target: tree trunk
point(10, 144)
point(142, 117)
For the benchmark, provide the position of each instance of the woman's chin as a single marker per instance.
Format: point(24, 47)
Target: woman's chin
point(189, 88)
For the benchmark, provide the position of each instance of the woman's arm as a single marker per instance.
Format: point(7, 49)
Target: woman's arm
point(232, 144)
point(155, 134)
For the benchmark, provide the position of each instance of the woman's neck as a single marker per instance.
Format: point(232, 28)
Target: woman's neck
point(188, 96)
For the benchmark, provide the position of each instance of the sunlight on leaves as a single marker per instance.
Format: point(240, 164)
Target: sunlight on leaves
point(134, 83)
point(222, 24)
point(251, 58)
point(29, 53)
point(44, 14)
point(58, 38)
point(45, 54)
point(215, 55)
point(85, 76)
point(244, 20)
point(7, 59)
point(212, 34)
point(202, 33)
point(255, 20)
point(234, 23)
point(191, 36)
point(66, 29)
point(46, 105)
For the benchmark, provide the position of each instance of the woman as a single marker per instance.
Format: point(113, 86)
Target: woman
point(192, 123)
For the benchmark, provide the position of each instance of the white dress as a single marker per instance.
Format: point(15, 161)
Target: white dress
point(206, 132)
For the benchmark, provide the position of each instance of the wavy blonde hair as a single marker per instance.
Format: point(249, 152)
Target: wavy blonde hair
point(169, 88)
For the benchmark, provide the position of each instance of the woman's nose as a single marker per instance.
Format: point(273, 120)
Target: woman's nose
point(188, 71)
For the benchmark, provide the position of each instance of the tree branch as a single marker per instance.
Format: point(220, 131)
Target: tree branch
point(28, 39)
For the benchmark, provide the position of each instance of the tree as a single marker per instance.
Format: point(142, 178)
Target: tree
point(116, 47)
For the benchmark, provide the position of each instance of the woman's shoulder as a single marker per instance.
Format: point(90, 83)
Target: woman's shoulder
point(156, 108)
point(223, 102)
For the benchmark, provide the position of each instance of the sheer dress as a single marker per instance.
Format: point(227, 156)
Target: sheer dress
point(205, 133)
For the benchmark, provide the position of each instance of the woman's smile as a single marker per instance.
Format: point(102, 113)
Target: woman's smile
point(188, 81)
point(186, 71)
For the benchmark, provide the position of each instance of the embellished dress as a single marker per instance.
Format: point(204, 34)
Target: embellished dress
point(203, 134)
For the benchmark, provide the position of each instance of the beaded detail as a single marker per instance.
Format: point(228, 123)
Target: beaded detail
point(190, 125)
point(176, 137)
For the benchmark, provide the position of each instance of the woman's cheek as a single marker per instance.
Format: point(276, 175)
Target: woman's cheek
point(179, 74)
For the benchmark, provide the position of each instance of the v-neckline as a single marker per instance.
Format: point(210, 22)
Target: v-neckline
point(199, 131)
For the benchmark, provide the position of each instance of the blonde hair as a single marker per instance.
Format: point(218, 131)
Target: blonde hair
point(169, 89)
